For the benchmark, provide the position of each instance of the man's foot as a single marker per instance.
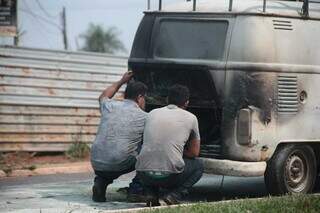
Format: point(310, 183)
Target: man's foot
point(123, 190)
point(135, 197)
point(152, 201)
point(98, 194)
point(135, 193)
point(172, 198)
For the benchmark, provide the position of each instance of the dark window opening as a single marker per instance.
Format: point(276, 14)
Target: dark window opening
point(204, 102)
point(191, 39)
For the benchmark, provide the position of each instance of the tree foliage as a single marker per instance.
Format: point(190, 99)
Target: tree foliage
point(98, 39)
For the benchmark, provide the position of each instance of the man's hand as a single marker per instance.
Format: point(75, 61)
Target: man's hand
point(126, 77)
point(113, 89)
point(193, 149)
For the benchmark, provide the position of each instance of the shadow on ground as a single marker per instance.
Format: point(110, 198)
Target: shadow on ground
point(73, 193)
point(211, 188)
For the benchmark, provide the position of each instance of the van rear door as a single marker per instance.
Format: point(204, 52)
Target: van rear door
point(191, 50)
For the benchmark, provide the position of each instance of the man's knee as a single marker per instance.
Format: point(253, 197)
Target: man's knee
point(195, 164)
point(198, 168)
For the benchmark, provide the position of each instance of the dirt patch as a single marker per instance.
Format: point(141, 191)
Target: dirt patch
point(31, 160)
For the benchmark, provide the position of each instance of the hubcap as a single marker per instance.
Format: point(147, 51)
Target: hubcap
point(296, 172)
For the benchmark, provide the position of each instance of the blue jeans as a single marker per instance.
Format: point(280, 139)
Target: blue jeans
point(104, 178)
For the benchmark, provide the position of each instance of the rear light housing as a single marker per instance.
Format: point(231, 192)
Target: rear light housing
point(244, 126)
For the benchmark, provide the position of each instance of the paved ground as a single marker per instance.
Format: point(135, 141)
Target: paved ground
point(72, 192)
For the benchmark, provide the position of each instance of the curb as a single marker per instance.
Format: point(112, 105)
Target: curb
point(149, 209)
point(66, 168)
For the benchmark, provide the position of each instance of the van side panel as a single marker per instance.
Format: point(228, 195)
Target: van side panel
point(272, 61)
point(304, 124)
point(244, 90)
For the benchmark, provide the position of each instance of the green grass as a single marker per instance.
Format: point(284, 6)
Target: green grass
point(31, 168)
point(2, 163)
point(289, 203)
point(78, 150)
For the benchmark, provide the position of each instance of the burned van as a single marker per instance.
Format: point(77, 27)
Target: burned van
point(252, 68)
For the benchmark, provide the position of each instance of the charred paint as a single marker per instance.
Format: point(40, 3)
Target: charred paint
point(2, 89)
point(265, 153)
point(51, 91)
point(244, 90)
point(250, 89)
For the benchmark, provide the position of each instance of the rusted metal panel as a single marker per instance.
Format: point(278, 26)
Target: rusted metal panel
point(48, 92)
point(36, 119)
point(58, 111)
point(45, 83)
point(34, 147)
point(49, 99)
point(70, 67)
point(58, 129)
point(46, 138)
point(59, 75)
point(63, 56)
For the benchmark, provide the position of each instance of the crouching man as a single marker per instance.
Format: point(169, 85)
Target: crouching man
point(171, 143)
point(119, 136)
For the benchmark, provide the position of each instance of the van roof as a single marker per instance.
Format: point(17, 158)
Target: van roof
point(273, 7)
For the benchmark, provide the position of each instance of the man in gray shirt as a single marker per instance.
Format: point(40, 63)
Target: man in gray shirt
point(171, 143)
point(119, 136)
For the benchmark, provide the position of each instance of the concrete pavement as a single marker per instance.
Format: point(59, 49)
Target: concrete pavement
point(72, 192)
point(58, 193)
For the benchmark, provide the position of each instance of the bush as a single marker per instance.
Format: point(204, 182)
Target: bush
point(78, 150)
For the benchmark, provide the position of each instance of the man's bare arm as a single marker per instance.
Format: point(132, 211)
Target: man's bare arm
point(193, 149)
point(110, 91)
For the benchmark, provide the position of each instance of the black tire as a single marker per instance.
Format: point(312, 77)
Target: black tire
point(317, 183)
point(292, 169)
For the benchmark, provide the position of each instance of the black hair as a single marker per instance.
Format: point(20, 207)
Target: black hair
point(134, 89)
point(178, 95)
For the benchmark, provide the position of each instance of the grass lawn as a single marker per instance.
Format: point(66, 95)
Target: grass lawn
point(288, 203)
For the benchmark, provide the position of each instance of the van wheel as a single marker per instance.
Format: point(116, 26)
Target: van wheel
point(292, 169)
point(317, 185)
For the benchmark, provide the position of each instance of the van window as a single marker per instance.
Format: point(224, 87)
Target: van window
point(191, 39)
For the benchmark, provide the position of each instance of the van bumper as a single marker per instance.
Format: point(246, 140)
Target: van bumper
point(233, 168)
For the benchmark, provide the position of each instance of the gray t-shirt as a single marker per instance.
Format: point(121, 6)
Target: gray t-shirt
point(166, 133)
point(119, 135)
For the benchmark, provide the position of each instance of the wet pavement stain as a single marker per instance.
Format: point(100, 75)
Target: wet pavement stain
point(73, 194)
